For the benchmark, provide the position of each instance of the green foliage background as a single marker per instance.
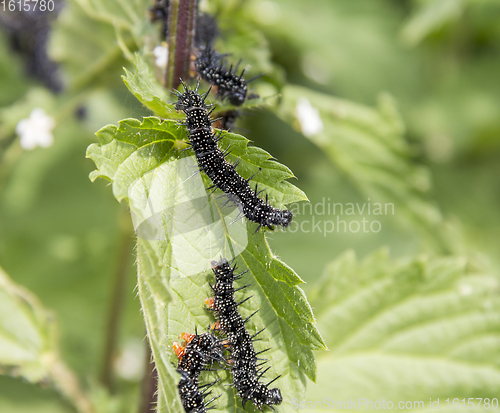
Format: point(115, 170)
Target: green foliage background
point(409, 95)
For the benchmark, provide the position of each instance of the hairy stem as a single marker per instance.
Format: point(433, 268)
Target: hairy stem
point(181, 28)
point(116, 304)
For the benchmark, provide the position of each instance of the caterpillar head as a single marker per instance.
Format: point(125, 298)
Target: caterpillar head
point(261, 396)
point(237, 98)
point(189, 99)
point(274, 396)
point(223, 271)
point(286, 217)
point(281, 217)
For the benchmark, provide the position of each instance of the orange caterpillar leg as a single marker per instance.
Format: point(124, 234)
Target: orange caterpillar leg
point(187, 337)
point(178, 350)
point(210, 302)
point(215, 326)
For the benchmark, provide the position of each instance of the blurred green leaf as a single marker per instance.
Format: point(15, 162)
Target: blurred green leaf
point(311, 45)
point(247, 42)
point(12, 81)
point(368, 145)
point(407, 330)
point(28, 343)
point(18, 395)
point(136, 153)
point(429, 17)
point(128, 15)
point(84, 39)
point(26, 333)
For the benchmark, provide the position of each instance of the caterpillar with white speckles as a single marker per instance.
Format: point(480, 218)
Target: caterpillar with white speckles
point(223, 175)
point(211, 68)
point(245, 368)
point(197, 352)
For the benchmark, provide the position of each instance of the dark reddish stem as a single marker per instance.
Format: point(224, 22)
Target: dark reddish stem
point(181, 27)
point(149, 385)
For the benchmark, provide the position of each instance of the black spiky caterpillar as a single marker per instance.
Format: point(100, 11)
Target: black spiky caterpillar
point(211, 68)
point(198, 351)
point(192, 396)
point(245, 367)
point(212, 161)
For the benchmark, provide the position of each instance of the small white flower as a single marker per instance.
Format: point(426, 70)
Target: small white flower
point(161, 54)
point(36, 130)
point(465, 289)
point(309, 118)
point(129, 364)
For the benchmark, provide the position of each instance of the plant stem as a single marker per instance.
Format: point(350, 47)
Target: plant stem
point(68, 385)
point(149, 384)
point(181, 28)
point(115, 313)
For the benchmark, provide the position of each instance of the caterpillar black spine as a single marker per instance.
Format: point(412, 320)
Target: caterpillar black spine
point(212, 161)
point(211, 67)
point(199, 351)
point(245, 368)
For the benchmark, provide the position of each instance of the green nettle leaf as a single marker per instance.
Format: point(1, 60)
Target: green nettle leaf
point(28, 345)
point(26, 333)
point(95, 60)
point(368, 145)
point(144, 86)
point(144, 163)
point(430, 17)
point(407, 331)
point(127, 15)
